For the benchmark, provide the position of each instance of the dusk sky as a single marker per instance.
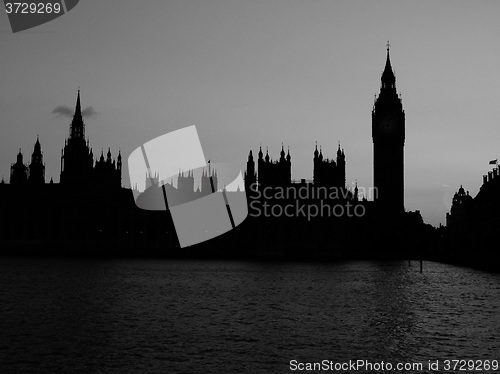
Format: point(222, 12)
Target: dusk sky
point(264, 72)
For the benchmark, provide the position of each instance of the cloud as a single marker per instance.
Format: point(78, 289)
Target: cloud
point(65, 111)
point(89, 112)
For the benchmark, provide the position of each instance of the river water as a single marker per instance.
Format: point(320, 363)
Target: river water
point(163, 316)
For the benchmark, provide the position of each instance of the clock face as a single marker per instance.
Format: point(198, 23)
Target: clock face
point(386, 125)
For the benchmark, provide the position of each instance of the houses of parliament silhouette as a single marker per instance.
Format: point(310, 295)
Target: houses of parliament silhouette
point(89, 213)
point(326, 172)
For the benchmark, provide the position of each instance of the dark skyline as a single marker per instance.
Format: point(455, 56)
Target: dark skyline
point(250, 73)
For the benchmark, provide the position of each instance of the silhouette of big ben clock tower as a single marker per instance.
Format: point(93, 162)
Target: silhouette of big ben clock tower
point(388, 132)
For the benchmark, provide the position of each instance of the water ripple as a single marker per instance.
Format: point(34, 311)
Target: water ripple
point(145, 316)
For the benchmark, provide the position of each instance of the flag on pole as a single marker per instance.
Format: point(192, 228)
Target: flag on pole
point(494, 162)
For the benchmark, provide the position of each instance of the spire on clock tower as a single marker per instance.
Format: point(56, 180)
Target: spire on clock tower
point(388, 77)
point(388, 102)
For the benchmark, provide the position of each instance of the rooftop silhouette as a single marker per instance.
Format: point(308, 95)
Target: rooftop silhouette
point(89, 212)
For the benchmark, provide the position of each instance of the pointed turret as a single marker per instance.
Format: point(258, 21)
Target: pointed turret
point(388, 78)
point(250, 177)
point(77, 128)
point(18, 171)
point(20, 157)
point(36, 168)
point(340, 155)
point(78, 108)
point(37, 148)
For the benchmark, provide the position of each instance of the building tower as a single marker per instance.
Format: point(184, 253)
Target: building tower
point(186, 183)
point(327, 172)
point(388, 132)
point(341, 167)
point(250, 175)
point(107, 172)
point(119, 168)
point(18, 171)
point(36, 170)
point(274, 173)
point(77, 160)
point(209, 181)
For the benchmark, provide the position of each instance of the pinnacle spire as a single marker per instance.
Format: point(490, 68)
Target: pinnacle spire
point(78, 108)
point(77, 127)
point(37, 148)
point(388, 77)
point(37, 143)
